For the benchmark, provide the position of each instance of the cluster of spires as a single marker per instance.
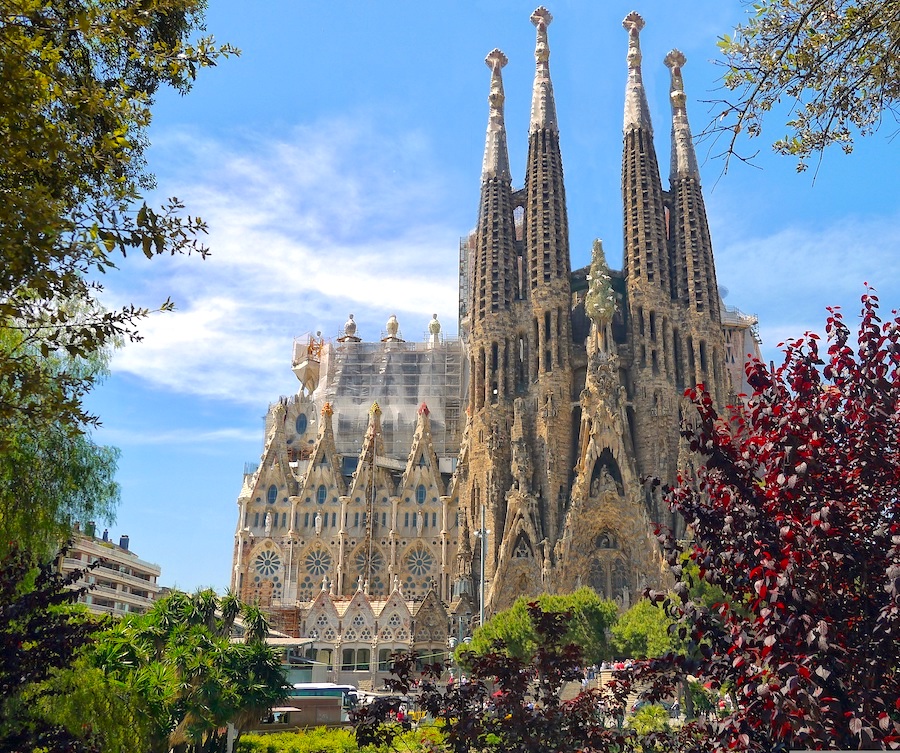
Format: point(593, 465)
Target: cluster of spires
point(543, 106)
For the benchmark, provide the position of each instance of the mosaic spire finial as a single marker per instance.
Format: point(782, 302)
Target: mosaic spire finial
point(684, 158)
point(637, 113)
point(496, 156)
point(543, 106)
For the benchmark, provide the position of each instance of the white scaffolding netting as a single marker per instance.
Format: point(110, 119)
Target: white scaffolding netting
point(399, 376)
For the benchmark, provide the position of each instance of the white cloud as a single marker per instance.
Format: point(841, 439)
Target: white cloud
point(304, 230)
point(787, 278)
point(187, 436)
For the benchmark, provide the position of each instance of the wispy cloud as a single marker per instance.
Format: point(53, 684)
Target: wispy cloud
point(787, 278)
point(329, 220)
point(188, 436)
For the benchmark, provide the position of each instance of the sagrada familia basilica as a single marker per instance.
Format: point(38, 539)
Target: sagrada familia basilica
point(411, 486)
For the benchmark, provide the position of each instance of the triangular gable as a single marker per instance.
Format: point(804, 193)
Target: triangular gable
point(323, 466)
point(421, 463)
point(372, 449)
point(430, 620)
point(274, 467)
point(322, 619)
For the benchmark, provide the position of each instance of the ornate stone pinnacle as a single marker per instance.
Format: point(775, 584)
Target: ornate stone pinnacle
point(495, 59)
point(327, 410)
point(633, 22)
point(375, 409)
point(675, 59)
point(541, 17)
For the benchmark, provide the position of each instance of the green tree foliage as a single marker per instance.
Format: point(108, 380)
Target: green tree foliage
point(591, 617)
point(81, 698)
point(51, 478)
point(649, 718)
point(642, 632)
point(178, 667)
point(832, 64)
point(40, 633)
point(79, 78)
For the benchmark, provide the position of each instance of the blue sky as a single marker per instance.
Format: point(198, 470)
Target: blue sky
point(337, 162)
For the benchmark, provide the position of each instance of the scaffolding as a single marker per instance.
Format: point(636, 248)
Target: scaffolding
point(399, 376)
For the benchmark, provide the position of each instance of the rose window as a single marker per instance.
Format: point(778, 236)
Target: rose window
point(377, 562)
point(318, 562)
point(267, 563)
point(419, 562)
point(350, 635)
point(322, 620)
point(394, 621)
point(330, 635)
point(386, 634)
point(365, 635)
point(358, 620)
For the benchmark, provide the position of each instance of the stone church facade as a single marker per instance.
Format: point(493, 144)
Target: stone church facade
point(520, 457)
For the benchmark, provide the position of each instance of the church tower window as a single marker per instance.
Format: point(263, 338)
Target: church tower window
point(272, 494)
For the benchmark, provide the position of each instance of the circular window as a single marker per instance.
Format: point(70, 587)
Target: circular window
point(318, 562)
point(321, 494)
point(272, 494)
point(362, 560)
point(421, 491)
point(419, 562)
point(267, 563)
point(301, 424)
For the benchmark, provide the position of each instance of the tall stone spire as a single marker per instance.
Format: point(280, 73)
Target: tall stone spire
point(637, 112)
point(646, 252)
point(692, 263)
point(684, 159)
point(496, 155)
point(494, 320)
point(494, 277)
point(543, 107)
point(548, 288)
point(693, 267)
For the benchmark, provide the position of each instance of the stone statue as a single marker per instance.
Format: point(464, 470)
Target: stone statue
point(607, 482)
point(434, 326)
point(420, 522)
point(392, 326)
point(269, 523)
point(318, 523)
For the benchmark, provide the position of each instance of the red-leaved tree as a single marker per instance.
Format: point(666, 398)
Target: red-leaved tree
point(795, 515)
